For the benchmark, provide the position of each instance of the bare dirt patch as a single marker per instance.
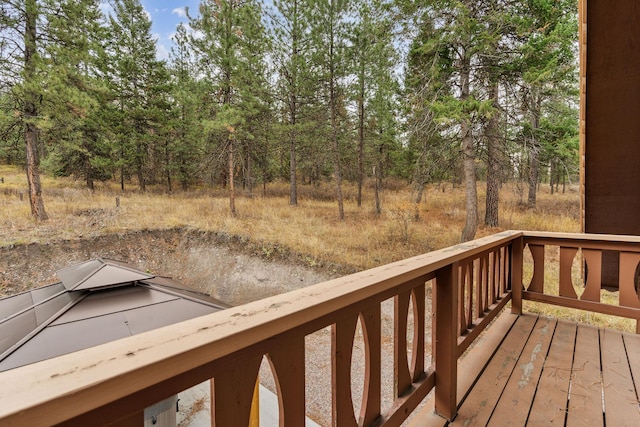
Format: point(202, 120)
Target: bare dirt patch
point(227, 268)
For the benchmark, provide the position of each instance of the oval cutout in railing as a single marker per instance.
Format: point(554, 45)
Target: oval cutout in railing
point(318, 376)
point(269, 395)
point(527, 266)
point(358, 367)
point(410, 330)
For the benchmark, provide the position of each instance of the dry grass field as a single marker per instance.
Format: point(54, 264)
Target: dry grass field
point(311, 229)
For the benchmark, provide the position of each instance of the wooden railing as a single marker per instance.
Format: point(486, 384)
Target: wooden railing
point(584, 253)
point(472, 282)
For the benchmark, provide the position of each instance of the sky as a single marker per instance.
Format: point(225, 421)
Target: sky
point(165, 16)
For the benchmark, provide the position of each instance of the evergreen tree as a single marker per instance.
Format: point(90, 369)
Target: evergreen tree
point(435, 157)
point(188, 112)
point(138, 81)
point(329, 32)
point(77, 98)
point(20, 43)
point(230, 42)
point(372, 58)
point(548, 67)
point(457, 41)
point(290, 23)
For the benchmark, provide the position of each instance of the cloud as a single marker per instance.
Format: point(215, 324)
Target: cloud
point(162, 52)
point(180, 12)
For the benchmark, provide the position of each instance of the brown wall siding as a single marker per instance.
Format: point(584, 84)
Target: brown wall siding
point(612, 145)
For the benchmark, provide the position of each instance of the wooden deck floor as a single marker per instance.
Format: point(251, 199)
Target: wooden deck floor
point(547, 372)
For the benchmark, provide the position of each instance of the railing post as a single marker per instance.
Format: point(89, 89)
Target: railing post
point(446, 341)
point(517, 250)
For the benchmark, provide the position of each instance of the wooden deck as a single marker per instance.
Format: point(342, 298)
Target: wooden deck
point(547, 372)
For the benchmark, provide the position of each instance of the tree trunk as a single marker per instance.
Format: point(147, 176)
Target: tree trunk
point(378, 174)
point(361, 134)
point(333, 107)
point(293, 181)
point(471, 191)
point(232, 193)
point(533, 175)
point(293, 107)
point(337, 169)
point(141, 152)
point(249, 178)
point(493, 162)
point(469, 157)
point(420, 193)
point(31, 113)
point(534, 164)
point(552, 176)
point(167, 155)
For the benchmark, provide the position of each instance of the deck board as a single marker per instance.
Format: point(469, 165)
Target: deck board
point(548, 372)
point(515, 401)
point(632, 345)
point(620, 401)
point(550, 406)
point(585, 400)
point(484, 396)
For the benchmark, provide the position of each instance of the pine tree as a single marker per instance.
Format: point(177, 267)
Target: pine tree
point(372, 57)
point(329, 33)
point(188, 93)
point(434, 157)
point(20, 41)
point(291, 49)
point(77, 94)
point(455, 106)
point(138, 81)
point(230, 44)
point(548, 68)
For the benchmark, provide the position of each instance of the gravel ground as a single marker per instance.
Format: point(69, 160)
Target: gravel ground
point(318, 368)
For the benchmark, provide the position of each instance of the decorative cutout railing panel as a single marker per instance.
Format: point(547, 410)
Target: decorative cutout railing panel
point(587, 250)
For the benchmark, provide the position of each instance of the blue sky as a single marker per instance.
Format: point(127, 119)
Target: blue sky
point(165, 16)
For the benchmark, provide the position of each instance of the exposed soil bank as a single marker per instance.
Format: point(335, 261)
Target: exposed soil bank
point(227, 268)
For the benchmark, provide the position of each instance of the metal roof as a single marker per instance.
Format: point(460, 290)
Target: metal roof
point(99, 273)
point(95, 302)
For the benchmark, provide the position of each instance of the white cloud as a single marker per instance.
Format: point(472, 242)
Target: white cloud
point(180, 11)
point(162, 52)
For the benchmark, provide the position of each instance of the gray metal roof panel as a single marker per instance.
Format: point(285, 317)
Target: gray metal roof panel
point(16, 328)
point(112, 301)
point(151, 317)
point(9, 306)
point(58, 340)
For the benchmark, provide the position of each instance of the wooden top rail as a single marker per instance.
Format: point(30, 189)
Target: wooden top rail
point(115, 380)
point(584, 241)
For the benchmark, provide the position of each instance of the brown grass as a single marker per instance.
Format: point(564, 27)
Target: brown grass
point(312, 228)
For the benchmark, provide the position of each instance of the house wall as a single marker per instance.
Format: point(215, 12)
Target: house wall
point(611, 103)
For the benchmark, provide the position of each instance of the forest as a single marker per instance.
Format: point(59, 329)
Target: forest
point(295, 91)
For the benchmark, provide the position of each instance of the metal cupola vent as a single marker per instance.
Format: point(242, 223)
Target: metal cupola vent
point(99, 273)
